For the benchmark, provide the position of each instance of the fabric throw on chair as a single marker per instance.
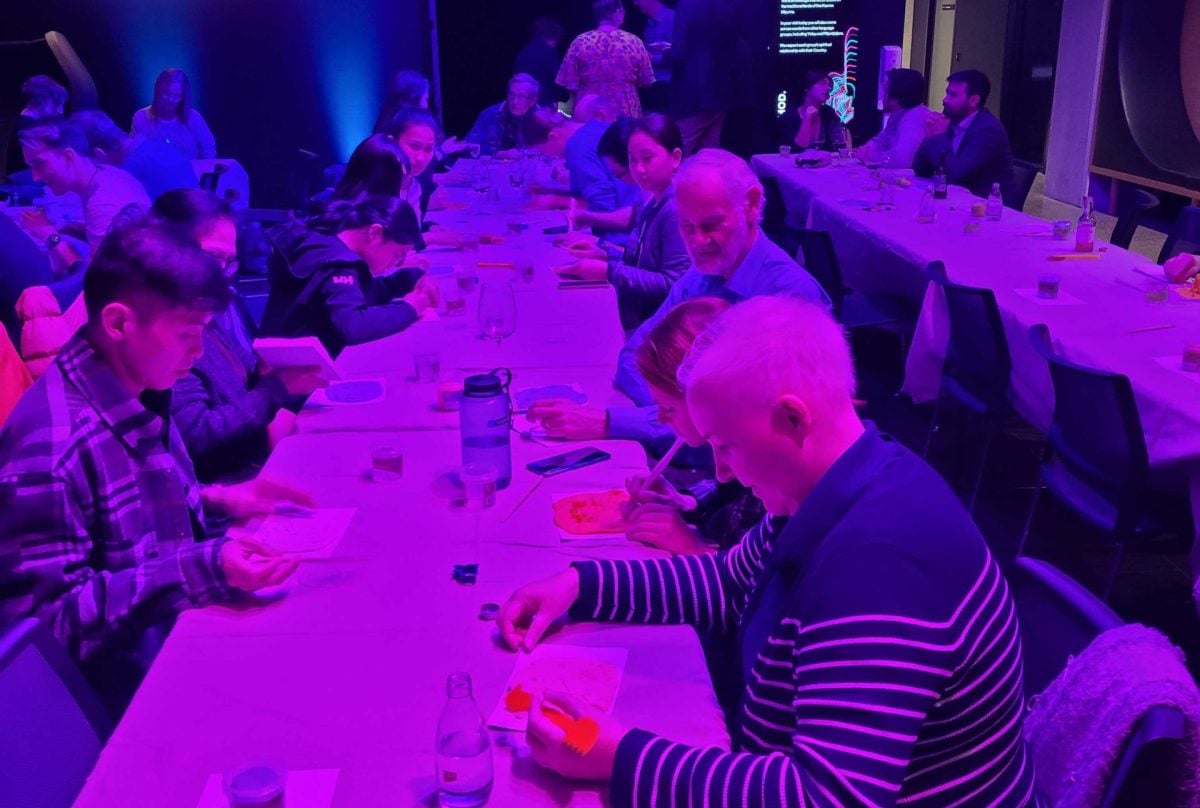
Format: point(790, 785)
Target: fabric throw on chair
point(1078, 728)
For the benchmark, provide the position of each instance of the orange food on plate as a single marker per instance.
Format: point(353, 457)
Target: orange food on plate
point(596, 512)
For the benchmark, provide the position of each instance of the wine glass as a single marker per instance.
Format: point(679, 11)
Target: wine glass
point(497, 311)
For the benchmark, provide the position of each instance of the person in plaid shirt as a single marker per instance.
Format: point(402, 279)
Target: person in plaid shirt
point(102, 532)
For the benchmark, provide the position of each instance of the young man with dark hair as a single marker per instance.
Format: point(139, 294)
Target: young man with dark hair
point(968, 139)
point(57, 152)
point(904, 132)
point(102, 522)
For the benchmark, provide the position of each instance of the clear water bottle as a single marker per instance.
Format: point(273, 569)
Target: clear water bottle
point(464, 750)
point(995, 203)
point(1085, 229)
point(485, 418)
point(927, 210)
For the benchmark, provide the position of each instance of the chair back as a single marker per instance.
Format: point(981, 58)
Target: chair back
point(83, 88)
point(1096, 430)
point(1059, 618)
point(977, 357)
point(1130, 215)
point(53, 727)
point(1024, 174)
point(821, 261)
point(1184, 235)
point(774, 219)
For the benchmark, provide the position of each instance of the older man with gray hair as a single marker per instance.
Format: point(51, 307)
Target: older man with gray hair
point(720, 204)
point(880, 652)
point(508, 128)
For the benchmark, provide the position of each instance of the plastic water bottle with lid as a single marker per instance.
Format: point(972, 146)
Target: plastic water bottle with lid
point(464, 749)
point(485, 419)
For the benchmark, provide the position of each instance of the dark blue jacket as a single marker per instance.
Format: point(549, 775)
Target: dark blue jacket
point(984, 157)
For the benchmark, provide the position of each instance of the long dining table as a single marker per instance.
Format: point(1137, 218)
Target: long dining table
point(1113, 311)
point(340, 674)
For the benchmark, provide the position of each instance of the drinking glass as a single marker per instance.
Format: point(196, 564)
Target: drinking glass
point(497, 311)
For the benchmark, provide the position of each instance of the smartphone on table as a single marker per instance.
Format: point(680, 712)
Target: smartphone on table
point(568, 461)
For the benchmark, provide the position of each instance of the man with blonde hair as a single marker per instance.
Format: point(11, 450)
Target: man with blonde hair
point(720, 204)
point(880, 652)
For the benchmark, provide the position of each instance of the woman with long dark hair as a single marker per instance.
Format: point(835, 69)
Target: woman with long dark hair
point(172, 119)
point(812, 123)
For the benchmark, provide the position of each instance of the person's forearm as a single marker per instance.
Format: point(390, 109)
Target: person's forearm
point(620, 219)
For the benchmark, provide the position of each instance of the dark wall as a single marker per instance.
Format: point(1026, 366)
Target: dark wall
point(270, 76)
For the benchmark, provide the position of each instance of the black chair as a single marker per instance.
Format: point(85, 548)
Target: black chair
point(1024, 173)
point(1130, 215)
point(53, 727)
point(853, 310)
point(978, 367)
point(774, 221)
point(1059, 618)
point(1184, 235)
point(1096, 463)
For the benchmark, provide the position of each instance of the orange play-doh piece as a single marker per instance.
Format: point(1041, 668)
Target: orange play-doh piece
point(518, 700)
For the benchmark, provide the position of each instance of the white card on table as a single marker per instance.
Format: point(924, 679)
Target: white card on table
point(313, 534)
point(590, 674)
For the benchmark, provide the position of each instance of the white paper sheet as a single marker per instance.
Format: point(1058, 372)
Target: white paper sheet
point(313, 535)
point(591, 674)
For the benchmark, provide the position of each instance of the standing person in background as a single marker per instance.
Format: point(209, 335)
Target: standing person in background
point(660, 27)
point(897, 144)
point(540, 58)
point(812, 123)
point(170, 118)
point(708, 58)
point(608, 61)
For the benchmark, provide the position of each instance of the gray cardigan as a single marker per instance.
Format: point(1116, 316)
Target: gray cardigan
point(653, 259)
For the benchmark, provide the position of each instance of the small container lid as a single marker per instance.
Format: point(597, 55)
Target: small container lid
point(489, 611)
point(487, 384)
point(255, 783)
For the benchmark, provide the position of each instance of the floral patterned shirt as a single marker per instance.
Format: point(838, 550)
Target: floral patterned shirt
point(611, 64)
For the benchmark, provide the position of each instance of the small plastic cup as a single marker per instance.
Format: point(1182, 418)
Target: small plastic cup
point(525, 270)
point(257, 784)
point(1061, 230)
point(469, 243)
point(978, 208)
point(479, 485)
point(427, 367)
point(785, 151)
point(468, 277)
point(387, 463)
point(1047, 287)
point(454, 298)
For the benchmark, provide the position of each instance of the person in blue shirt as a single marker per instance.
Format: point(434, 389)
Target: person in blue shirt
point(592, 181)
point(508, 128)
point(158, 166)
point(720, 204)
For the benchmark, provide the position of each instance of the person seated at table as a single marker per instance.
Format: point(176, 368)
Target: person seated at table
point(508, 128)
point(58, 154)
point(172, 119)
point(707, 512)
point(812, 123)
point(377, 167)
point(654, 256)
point(967, 139)
point(14, 376)
point(897, 144)
point(719, 201)
point(102, 523)
point(416, 132)
point(880, 652)
point(410, 88)
point(229, 408)
point(338, 277)
point(157, 166)
point(1182, 267)
point(590, 179)
point(44, 98)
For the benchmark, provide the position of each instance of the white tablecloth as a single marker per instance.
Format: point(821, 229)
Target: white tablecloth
point(1096, 322)
point(346, 670)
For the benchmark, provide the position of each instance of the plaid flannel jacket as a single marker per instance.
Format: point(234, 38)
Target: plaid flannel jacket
point(101, 526)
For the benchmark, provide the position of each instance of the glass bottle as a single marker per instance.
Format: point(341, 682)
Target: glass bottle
point(464, 749)
point(1085, 230)
point(927, 212)
point(940, 182)
point(995, 203)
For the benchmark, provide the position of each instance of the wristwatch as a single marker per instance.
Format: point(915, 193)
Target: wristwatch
point(53, 240)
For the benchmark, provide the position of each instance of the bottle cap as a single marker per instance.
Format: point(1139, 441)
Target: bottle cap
point(489, 611)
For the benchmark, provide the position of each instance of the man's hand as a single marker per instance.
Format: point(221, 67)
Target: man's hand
point(530, 610)
point(569, 421)
point(936, 124)
point(282, 425)
point(424, 296)
point(1181, 267)
point(259, 497)
point(589, 269)
point(588, 252)
point(547, 740)
point(250, 566)
point(38, 224)
point(660, 491)
point(661, 526)
point(453, 145)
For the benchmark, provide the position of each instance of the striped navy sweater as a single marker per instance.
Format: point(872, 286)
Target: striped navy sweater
point(881, 654)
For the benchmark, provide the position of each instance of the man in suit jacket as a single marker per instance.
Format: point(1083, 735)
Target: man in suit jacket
point(708, 57)
point(969, 138)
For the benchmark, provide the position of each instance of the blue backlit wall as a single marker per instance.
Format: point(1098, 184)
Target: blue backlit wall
point(270, 76)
